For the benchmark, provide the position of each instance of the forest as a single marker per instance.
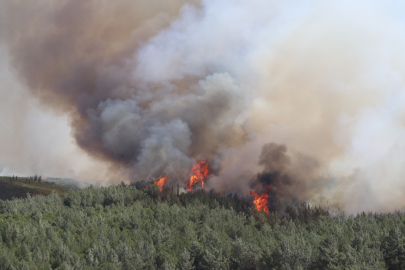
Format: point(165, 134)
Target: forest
point(138, 227)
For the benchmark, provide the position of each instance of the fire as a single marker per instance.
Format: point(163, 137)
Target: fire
point(261, 200)
point(199, 175)
point(161, 182)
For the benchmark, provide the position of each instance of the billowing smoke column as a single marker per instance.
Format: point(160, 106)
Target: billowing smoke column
point(149, 128)
point(280, 94)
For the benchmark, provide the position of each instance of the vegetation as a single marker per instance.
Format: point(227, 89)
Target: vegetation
point(136, 227)
point(18, 187)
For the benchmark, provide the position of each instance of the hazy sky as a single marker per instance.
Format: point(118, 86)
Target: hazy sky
point(35, 140)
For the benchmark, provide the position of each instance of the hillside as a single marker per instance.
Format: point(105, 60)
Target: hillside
point(129, 227)
point(18, 187)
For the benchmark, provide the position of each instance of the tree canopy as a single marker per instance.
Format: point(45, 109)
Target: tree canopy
point(137, 227)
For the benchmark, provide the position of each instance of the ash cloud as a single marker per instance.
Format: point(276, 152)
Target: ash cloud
point(151, 87)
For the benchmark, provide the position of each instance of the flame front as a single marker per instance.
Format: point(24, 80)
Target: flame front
point(199, 175)
point(261, 200)
point(161, 182)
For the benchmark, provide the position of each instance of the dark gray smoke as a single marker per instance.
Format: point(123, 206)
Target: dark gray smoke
point(284, 180)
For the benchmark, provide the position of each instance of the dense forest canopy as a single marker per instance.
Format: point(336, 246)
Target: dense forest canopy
point(137, 227)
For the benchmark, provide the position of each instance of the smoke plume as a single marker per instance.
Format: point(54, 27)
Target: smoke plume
point(285, 179)
point(305, 96)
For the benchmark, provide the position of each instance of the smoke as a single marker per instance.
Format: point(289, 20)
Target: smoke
point(284, 178)
point(34, 142)
point(285, 93)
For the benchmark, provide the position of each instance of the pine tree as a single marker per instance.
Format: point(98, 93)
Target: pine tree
point(395, 249)
point(185, 262)
point(214, 260)
point(90, 258)
point(329, 254)
point(244, 256)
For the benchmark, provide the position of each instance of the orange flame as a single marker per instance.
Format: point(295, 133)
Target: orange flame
point(161, 182)
point(261, 200)
point(199, 175)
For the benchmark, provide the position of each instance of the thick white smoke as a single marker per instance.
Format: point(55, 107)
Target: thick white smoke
point(221, 79)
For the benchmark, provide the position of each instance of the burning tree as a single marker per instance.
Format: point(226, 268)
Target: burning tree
point(161, 182)
point(200, 172)
point(199, 176)
point(261, 201)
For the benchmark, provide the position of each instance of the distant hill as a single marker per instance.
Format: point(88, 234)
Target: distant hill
point(18, 187)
